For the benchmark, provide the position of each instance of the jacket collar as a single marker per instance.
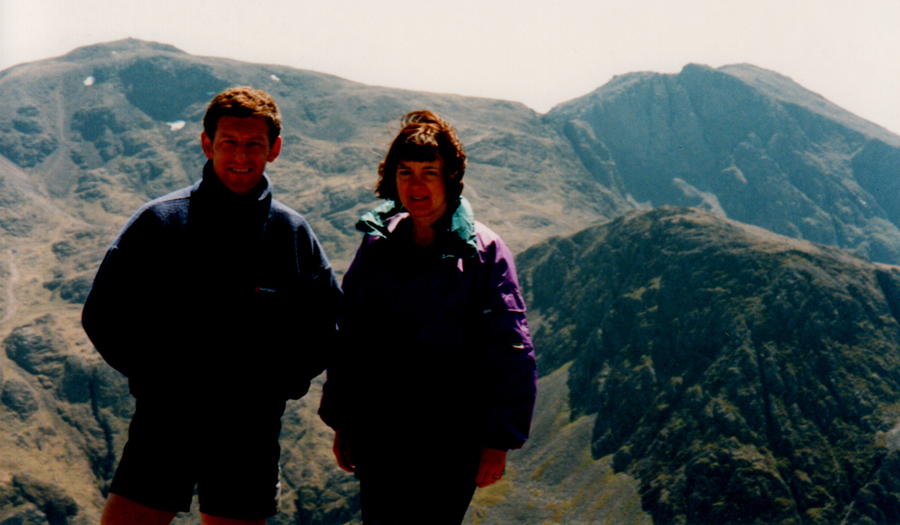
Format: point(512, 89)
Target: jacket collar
point(455, 230)
point(213, 202)
point(213, 190)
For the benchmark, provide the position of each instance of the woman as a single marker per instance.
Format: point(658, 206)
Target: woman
point(435, 378)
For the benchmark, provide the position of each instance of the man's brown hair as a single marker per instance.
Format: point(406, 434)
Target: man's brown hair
point(241, 102)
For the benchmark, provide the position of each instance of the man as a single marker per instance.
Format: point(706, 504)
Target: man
point(217, 303)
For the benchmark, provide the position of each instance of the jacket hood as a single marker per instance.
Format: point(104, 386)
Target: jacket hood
point(455, 229)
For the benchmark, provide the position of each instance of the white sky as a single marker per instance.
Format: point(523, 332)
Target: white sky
point(539, 52)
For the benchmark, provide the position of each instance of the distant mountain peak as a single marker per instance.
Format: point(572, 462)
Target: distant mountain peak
point(126, 45)
point(748, 143)
point(786, 90)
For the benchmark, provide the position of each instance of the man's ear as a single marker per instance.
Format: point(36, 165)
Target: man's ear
point(275, 150)
point(206, 144)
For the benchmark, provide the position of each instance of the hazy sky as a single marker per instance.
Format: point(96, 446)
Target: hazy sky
point(539, 52)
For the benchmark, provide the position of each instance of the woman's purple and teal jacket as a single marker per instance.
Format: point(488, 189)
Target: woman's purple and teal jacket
point(434, 346)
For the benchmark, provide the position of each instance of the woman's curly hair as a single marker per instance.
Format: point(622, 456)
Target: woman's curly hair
point(424, 137)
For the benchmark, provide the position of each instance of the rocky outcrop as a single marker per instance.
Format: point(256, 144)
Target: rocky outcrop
point(88, 400)
point(36, 502)
point(38, 348)
point(18, 397)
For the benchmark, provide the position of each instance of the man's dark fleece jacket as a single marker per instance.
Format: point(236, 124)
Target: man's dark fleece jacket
point(209, 294)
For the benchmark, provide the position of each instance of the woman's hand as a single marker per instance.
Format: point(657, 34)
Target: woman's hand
point(342, 452)
point(491, 466)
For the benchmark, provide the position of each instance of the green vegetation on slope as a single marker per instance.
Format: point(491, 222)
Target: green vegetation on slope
point(742, 377)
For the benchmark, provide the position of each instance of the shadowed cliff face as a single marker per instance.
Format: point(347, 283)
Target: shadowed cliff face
point(742, 377)
point(746, 144)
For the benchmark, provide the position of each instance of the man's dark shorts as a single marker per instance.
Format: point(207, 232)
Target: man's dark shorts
point(230, 453)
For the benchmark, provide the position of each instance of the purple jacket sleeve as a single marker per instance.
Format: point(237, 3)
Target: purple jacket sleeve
point(510, 356)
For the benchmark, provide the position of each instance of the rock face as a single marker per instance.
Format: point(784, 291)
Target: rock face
point(19, 398)
point(37, 348)
point(50, 500)
point(742, 377)
point(58, 410)
point(746, 144)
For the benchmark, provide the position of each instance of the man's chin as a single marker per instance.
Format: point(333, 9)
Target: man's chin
point(240, 185)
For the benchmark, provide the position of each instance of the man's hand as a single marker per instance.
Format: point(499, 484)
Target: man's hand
point(491, 466)
point(342, 452)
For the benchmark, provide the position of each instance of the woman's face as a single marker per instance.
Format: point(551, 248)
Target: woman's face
point(420, 186)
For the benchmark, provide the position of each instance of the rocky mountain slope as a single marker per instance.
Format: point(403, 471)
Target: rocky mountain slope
point(739, 376)
point(107, 127)
point(87, 137)
point(747, 144)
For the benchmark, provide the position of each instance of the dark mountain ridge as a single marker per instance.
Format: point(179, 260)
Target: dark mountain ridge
point(740, 376)
point(747, 144)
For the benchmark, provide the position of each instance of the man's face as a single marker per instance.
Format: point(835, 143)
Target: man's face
point(239, 151)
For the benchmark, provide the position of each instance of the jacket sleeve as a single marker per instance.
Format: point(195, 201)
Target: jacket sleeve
point(322, 297)
point(117, 316)
point(510, 362)
point(339, 406)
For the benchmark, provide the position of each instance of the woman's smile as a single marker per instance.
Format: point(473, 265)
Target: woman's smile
point(420, 186)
